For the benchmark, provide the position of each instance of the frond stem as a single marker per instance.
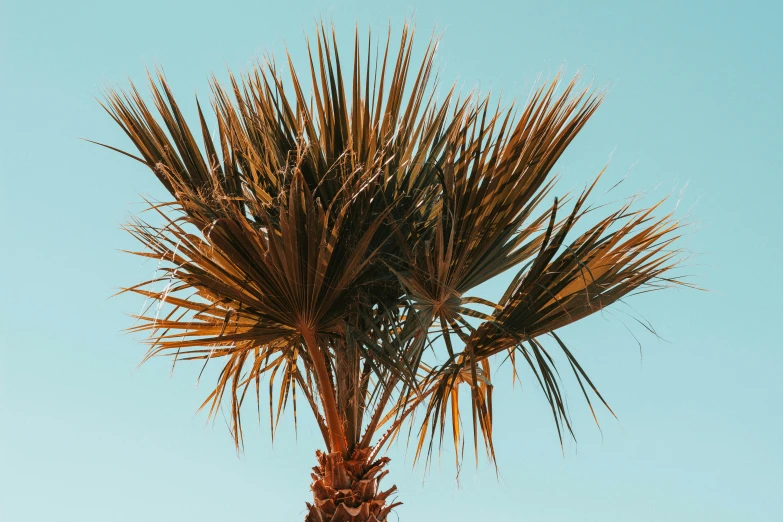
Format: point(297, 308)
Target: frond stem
point(333, 422)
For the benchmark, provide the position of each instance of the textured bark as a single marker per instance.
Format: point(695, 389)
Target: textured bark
point(348, 490)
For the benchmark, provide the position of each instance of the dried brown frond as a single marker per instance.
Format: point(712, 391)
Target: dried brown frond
point(328, 237)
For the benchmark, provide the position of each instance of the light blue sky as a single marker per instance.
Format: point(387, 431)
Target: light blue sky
point(695, 99)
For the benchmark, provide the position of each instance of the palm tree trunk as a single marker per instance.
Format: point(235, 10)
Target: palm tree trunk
point(348, 490)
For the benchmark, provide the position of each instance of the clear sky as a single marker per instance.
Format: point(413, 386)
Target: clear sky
point(695, 103)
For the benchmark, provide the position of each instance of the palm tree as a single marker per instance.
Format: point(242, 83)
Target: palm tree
point(327, 241)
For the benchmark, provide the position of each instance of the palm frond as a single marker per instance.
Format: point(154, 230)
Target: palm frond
point(327, 239)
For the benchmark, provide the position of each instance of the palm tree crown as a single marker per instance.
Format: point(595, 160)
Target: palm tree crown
point(328, 240)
